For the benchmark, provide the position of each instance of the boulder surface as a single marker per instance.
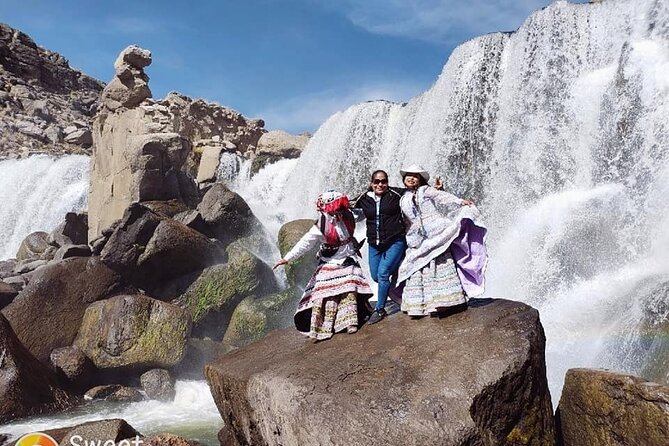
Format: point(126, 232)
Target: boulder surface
point(598, 407)
point(472, 378)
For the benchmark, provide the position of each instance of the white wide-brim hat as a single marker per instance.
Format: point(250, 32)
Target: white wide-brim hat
point(415, 168)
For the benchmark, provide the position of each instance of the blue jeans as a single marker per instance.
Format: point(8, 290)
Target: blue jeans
point(383, 263)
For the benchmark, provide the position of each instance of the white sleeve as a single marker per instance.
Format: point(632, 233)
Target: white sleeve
point(308, 241)
point(442, 197)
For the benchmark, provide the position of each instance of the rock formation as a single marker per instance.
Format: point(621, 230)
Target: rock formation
point(277, 145)
point(45, 105)
point(146, 150)
point(598, 407)
point(473, 378)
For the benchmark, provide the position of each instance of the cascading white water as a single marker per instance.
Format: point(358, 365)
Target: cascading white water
point(36, 193)
point(560, 132)
point(192, 415)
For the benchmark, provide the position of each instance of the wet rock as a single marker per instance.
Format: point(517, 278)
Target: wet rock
point(598, 407)
point(158, 384)
point(134, 332)
point(48, 312)
point(473, 378)
point(298, 272)
point(96, 433)
point(71, 363)
point(254, 317)
point(26, 386)
point(114, 392)
point(212, 298)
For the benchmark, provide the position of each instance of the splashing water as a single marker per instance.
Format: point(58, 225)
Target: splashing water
point(560, 132)
point(192, 414)
point(36, 193)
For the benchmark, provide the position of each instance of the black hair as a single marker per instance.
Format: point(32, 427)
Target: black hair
point(378, 171)
point(374, 173)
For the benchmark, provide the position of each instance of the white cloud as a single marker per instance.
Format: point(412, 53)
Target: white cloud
point(442, 21)
point(308, 112)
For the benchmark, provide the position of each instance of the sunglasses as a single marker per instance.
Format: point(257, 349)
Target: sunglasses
point(380, 181)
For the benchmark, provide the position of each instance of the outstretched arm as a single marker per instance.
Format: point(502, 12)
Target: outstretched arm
point(308, 241)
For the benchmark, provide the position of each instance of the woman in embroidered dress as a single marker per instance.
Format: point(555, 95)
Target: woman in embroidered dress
point(446, 257)
point(335, 299)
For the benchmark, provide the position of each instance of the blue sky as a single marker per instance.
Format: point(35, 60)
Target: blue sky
point(291, 62)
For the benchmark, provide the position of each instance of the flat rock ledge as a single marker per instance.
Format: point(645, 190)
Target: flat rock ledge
point(474, 378)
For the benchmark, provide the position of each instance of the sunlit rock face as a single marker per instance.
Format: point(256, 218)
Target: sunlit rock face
point(45, 105)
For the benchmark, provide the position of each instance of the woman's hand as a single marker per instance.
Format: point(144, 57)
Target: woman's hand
point(438, 183)
point(467, 202)
point(279, 263)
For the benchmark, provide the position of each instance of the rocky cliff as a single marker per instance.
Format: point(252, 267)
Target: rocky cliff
point(45, 105)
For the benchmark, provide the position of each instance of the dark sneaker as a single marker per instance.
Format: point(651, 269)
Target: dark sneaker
point(377, 316)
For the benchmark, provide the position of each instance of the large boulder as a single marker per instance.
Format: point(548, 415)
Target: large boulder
point(134, 332)
point(27, 387)
point(598, 407)
point(212, 298)
point(226, 215)
point(48, 312)
point(151, 250)
point(298, 272)
point(158, 384)
point(473, 378)
point(130, 85)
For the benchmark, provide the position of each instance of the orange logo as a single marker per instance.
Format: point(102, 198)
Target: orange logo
point(36, 439)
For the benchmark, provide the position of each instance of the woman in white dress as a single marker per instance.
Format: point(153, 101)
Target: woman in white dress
point(446, 256)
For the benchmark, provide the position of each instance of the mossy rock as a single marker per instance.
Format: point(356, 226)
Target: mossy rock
point(211, 299)
point(298, 272)
point(254, 317)
point(134, 332)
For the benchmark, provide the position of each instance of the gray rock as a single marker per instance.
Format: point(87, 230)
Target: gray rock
point(26, 386)
point(57, 296)
point(96, 433)
point(473, 378)
point(82, 137)
point(7, 268)
point(33, 245)
point(158, 385)
point(17, 282)
point(27, 266)
point(68, 251)
point(114, 392)
point(71, 363)
point(133, 56)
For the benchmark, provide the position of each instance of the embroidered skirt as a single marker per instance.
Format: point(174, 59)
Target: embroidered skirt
point(335, 298)
point(434, 287)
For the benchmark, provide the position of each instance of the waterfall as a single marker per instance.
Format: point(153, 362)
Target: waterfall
point(560, 133)
point(36, 193)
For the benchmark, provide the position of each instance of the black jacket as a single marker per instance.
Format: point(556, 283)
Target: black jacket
point(391, 225)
